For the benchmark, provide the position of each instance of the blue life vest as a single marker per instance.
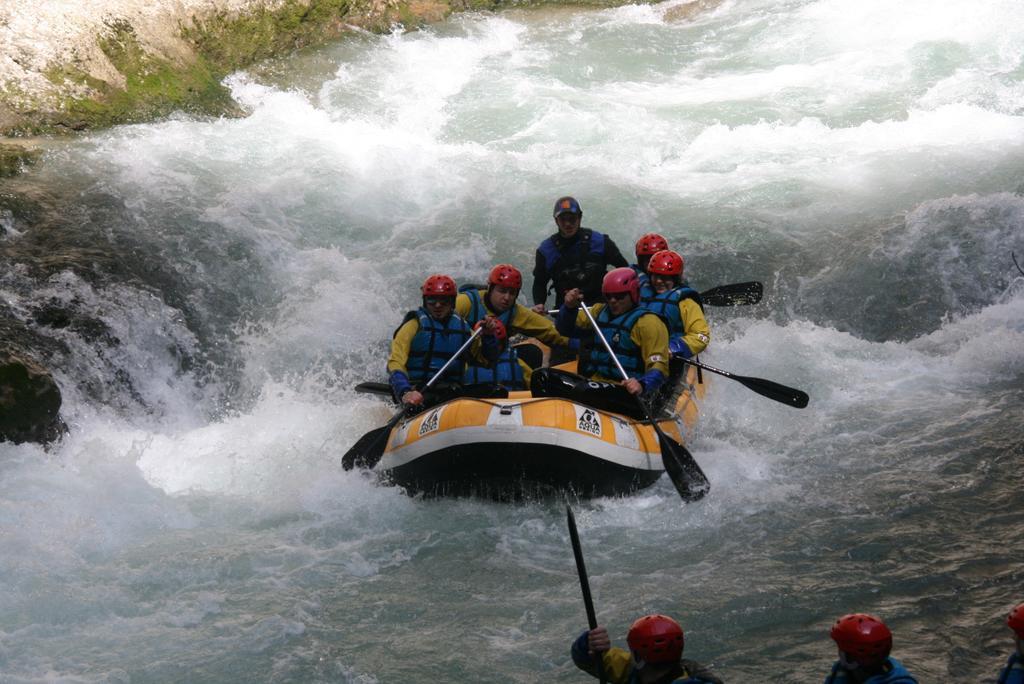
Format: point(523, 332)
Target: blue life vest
point(1013, 672)
point(434, 343)
point(666, 305)
point(646, 289)
point(580, 264)
point(617, 331)
point(506, 369)
point(897, 675)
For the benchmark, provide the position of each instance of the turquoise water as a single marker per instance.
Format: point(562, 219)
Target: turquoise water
point(866, 162)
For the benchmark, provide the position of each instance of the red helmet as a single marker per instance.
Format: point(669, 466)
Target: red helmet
point(622, 280)
point(656, 639)
point(500, 332)
point(650, 243)
point(864, 638)
point(1015, 620)
point(439, 285)
point(507, 275)
point(666, 262)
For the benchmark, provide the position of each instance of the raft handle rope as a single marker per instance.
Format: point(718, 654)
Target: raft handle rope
point(521, 403)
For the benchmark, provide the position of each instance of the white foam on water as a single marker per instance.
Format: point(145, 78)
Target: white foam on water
point(208, 529)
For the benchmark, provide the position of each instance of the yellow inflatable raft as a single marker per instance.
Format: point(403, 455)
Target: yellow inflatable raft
point(524, 445)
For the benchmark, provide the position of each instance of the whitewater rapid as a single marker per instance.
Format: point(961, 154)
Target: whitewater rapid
point(866, 162)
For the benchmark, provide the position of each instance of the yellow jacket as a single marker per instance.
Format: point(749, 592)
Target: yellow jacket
point(697, 333)
point(649, 334)
point(522, 320)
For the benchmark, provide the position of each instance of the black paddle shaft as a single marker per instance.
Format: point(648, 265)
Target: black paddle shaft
point(581, 570)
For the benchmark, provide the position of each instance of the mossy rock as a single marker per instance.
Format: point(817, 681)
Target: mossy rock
point(14, 159)
point(154, 86)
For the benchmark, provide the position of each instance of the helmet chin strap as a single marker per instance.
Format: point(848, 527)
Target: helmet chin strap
point(1020, 646)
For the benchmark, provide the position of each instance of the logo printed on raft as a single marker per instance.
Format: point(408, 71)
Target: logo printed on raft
point(431, 422)
point(588, 420)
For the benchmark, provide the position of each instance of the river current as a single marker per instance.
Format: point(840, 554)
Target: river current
point(865, 161)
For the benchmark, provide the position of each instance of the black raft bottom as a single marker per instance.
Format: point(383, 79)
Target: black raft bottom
point(514, 471)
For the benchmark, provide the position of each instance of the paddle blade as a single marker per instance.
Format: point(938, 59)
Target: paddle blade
point(378, 388)
point(367, 450)
point(689, 480)
point(735, 294)
point(773, 390)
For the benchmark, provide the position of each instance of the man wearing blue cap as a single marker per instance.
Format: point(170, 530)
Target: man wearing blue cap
point(574, 257)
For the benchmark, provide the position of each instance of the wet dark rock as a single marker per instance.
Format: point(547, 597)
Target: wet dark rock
point(59, 315)
point(60, 235)
point(29, 402)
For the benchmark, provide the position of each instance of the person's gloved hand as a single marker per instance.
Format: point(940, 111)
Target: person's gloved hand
point(493, 327)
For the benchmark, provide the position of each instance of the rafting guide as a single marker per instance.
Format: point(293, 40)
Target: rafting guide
point(574, 257)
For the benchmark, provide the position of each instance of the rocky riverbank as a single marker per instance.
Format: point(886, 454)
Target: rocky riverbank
point(93, 63)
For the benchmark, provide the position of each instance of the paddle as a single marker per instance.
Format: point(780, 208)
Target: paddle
point(734, 294)
point(380, 388)
point(689, 480)
point(766, 388)
point(581, 570)
point(370, 447)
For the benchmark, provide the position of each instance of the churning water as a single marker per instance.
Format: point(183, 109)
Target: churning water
point(864, 160)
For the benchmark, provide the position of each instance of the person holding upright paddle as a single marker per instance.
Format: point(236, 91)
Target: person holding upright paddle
point(864, 643)
point(655, 655)
point(637, 338)
point(499, 301)
point(633, 350)
point(430, 336)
